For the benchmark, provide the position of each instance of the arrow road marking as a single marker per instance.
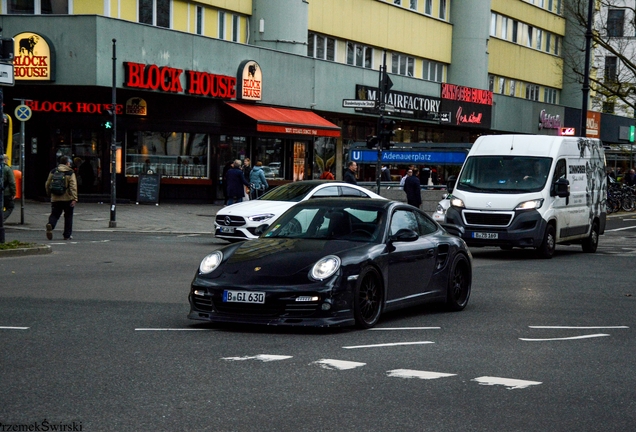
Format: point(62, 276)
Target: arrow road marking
point(261, 357)
point(13, 328)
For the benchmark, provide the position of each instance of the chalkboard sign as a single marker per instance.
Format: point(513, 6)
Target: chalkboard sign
point(148, 188)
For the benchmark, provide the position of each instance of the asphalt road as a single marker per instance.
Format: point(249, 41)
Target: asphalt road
point(95, 336)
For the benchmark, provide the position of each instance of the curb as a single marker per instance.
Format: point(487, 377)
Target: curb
point(35, 250)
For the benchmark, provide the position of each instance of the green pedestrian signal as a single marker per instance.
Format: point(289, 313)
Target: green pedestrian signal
point(632, 129)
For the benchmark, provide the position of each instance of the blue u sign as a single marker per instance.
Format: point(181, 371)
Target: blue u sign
point(409, 157)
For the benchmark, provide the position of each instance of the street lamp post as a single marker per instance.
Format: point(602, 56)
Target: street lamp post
point(113, 145)
point(586, 69)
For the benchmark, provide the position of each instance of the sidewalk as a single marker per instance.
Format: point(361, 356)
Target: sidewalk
point(94, 217)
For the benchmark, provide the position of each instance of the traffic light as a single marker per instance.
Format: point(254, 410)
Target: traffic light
point(108, 125)
point(6, 49)
point(386, 132)
point(372, 141)
point(631, 133)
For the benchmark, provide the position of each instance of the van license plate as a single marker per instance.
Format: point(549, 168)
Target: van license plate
point(485, 235)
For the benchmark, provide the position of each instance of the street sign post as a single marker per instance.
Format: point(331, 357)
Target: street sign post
point(357, 103)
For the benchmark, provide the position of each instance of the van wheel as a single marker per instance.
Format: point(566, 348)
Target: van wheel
point(590, 244)
point(546, 250)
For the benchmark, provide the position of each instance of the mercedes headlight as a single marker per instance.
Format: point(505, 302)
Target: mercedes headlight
point(530, 205)
point(211, 262)
point(325, 267)
point(261, 217)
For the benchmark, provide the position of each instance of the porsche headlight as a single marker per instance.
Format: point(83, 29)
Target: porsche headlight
point(530, 205)
point(261, 217)
point(325, 267)
point(456, 202)
point(211, 262)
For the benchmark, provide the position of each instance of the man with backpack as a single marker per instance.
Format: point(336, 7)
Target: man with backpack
point(61, 186)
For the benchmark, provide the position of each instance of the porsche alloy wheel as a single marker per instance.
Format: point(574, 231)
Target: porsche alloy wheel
point(368, 298)
point(459, 283)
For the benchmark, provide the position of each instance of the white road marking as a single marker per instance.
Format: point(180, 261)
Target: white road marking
point(261, 357)
point(581, 327)
point(388, 344)
point(13, 328)
point(338, 364)
point(189, 235)
point(621, 229)
point(409, 373)
point(172, 329)
point(405, 328)
point(510, 384)
point(565, 338)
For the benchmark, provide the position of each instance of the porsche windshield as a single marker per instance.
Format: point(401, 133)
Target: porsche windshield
point(504, 174)
point(289, 192)
point(329, 223)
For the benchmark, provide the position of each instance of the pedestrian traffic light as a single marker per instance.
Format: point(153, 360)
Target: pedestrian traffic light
point(631, 133)
point(6, 49)
point(372, 141)
point(386, 132)
point(108, 125)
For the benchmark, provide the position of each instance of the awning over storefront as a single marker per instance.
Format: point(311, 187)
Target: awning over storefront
point(287, 120)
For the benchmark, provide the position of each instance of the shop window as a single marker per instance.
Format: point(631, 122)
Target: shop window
point(171, 154)
point(324, 156)
point(155, 12)
point(34, 7)
point(270, 153)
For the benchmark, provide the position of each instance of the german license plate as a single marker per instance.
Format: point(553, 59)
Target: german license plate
point(486, 235)
point(243, 297)
point(227, 230)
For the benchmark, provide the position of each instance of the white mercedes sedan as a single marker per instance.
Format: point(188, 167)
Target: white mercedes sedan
point(239, 221)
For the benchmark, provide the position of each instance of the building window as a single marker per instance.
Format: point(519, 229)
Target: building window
point(529, 41)
point(548, 42)
point(155, 12)
point(321, 47)
point(512, 87)
point(608, 107)
point(221, 25)
point(491, 83)
point(397, 2)
point(236, 28)
point(402, 64)
point(493, 24)
point(615, 22)
point(504, 28)
point(199, 20)
point(413, 5)
point(433, 71)
point(442, 9)
point(502, 85)
point(37, 7)
point(359, 55)
point(428, 7)
point(550, 5)
point(539, 37)
point(515, 28)
point(611, 69)
point(550, 96)
point(532, 92)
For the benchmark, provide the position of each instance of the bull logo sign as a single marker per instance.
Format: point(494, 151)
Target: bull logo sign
point(249, 81)
point(33, 58)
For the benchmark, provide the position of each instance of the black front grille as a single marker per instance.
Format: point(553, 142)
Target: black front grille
point(233, 220)
point(275, 309)
point(489, 219)
point(202, 303)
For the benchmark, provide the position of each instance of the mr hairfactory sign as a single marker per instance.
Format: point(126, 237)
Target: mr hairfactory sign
point(247, 84)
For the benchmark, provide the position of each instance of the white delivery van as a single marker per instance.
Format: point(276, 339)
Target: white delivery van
point(531, 191)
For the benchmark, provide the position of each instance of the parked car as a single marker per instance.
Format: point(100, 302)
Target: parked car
point(239, 221)
point(439, 215)
point(333, 262)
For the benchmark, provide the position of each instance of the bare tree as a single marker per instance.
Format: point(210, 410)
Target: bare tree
point(613, 69)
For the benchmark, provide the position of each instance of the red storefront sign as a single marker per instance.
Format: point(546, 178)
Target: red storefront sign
point(73, 107)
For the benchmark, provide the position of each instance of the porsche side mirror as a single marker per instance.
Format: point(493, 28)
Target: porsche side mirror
point(260, 229)
point(453, 229)
point(404, 235)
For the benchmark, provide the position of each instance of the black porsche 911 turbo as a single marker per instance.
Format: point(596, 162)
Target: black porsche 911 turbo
point(334, 262)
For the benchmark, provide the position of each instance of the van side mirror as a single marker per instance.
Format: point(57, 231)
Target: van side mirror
point(561, 188)
point(450, 184)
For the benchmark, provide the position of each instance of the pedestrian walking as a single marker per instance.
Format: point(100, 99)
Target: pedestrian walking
point(327, 175)
point(247, 170)
point(61, 186)
point(412, 187)
point(258, 181)
point(350, 173)
point(236, 183)
point(10, 190)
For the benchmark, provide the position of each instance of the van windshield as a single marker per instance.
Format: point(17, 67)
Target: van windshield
point(504, 174)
